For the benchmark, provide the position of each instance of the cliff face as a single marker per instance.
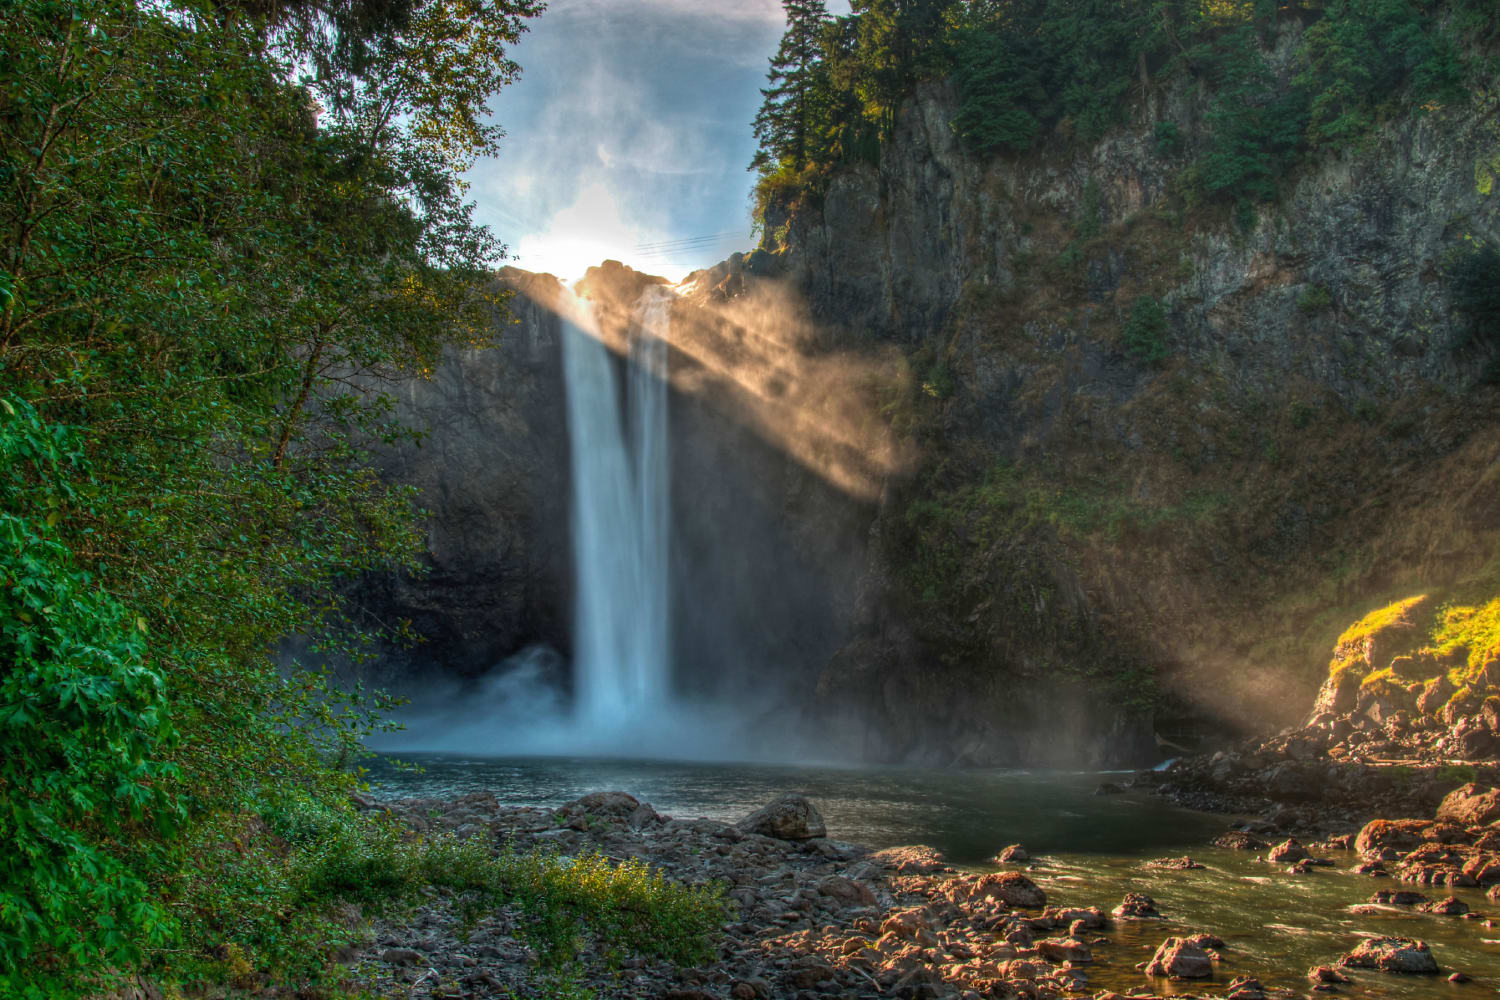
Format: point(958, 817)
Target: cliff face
point(492, 472)
point(1088, 528)
point(935, 496)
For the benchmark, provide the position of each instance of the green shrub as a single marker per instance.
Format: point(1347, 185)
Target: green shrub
point(86, 727)
point(1314, 299)
point(1168, 139)
point(1145, 333)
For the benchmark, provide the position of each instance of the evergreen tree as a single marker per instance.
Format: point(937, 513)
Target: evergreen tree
point(785, 123)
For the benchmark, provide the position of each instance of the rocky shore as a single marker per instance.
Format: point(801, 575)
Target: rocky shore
point(813, 917)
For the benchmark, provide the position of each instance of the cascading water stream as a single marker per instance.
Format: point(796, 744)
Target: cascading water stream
point(620, 515)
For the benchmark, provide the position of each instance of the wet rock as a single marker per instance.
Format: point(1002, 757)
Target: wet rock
point(918, 860)
point(1064, 950)
point(1109, 788)
point(1181, 864)
point(1288, 852)
point(1459, 977)
point(1327, 974)
point(1450, 907)
point(1245, 988)
point(1092, 918)
point(1208, 942)
point(1014, 854)
point(1177, 958)
point(1239, 840)
point(791, 817)
point(1390, 897)
point(1470, 805)
point(1136, 906)
point(1392, 954)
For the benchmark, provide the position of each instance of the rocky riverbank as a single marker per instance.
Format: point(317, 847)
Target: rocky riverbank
point(814, 917)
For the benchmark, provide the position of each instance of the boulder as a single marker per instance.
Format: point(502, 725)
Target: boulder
point(1178, 958)
point(1136, 906)
point(1338, 694)
point(1470, 805)
point(1014, 854)
point(846, 891)
point(1397, 834)
point(1327, 974)
point(1392, 954)
point(1435, 694)
point(1092, 918)
point(1011, 888)
point(1288, 852)
point(1450, 907)
point(791, 817)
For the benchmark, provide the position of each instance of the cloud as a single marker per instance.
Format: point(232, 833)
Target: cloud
point(631, 123)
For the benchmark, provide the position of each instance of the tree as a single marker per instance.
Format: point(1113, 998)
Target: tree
point(227, 230)
point(784, 125)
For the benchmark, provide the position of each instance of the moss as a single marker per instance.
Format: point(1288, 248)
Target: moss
point(1399, 614)
point(1472, 627)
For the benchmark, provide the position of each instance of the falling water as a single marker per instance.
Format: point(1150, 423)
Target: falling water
point(620, 490)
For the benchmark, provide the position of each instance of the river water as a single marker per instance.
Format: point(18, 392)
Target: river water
point(1090, 850)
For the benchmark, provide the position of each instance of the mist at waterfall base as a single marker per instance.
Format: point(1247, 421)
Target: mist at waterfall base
point(616, 698)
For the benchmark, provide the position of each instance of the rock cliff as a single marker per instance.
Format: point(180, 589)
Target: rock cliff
point(1018, 459)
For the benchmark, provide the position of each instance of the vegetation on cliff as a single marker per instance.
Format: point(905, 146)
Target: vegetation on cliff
point(229, 229)
point(1026, 70)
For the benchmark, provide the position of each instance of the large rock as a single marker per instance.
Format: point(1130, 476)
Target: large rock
point(1179, 958)
point(1012, 889)
point(791, 817)
point(1136, 906)
point(1288, 852)
point(1395, 834)
point(1392, 954)
point(1470, 805)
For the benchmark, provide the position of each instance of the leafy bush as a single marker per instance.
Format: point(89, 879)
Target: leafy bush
point(86, 726)
point(1145, 333)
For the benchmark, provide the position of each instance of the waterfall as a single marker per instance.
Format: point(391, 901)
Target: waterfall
point(620, 514)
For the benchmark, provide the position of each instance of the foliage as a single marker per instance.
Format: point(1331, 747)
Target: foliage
point(1145, 333)
point(1314, 299)
point(227, 236)
point(1025, 68)
point(786, 119)
point(86, 725)
point(1361, 50)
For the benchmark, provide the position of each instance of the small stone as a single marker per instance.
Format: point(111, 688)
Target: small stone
point(1450, 907)
point(1459, 977)
point(402, 956)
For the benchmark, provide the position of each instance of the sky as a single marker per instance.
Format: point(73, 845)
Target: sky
point(628, 135)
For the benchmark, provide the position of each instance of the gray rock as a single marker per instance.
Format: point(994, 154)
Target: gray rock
point(791, 817)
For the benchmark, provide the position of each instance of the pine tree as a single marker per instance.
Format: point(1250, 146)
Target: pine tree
point(784, 123)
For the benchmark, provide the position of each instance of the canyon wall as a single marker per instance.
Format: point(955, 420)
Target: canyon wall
point(931, 498)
